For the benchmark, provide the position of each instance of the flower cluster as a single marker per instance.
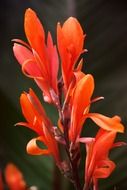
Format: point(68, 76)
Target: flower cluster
point(71, 91)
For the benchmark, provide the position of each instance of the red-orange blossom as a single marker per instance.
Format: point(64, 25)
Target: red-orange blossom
point(71, 95)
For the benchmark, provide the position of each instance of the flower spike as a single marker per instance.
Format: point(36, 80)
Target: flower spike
point(72, 96)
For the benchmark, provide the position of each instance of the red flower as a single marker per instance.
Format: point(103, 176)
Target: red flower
point(80, 101)
point(38, 122)
point(14, 178)
point(80, 106)
point(72, 95)
point(98, 165)
point(39, 60)
point(70, 39)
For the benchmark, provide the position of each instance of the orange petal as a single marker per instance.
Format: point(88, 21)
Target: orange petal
point(33, 112)
point(14, 178)
point(54, 63)
point(107, 123)
point(22, 53)
point(27, 61)
point(33, 149)
point(104, 169)
point(97, 151)
point(34, 31)
point(44, 86)
point(35, 101)
point(27, 108)
point(73, 35)
point(103, 142)
point(82, 93)
point(81, 100)
point(70, 41)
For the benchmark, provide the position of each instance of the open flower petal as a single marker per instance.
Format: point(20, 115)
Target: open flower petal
point(33, 148)
point(107, 123)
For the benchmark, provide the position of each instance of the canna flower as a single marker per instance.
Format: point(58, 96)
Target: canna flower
point(72, 95)
point(14, 178)
point(98, 165)
point(40, 123)
point(70, 40)
point(39, 60)
point(81, 101)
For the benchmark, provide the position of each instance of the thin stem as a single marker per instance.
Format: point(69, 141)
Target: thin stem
point(65, 121)
point(73, 165)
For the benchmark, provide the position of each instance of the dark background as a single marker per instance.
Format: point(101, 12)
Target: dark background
point(105, 23)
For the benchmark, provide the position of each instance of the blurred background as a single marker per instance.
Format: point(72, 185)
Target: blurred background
point(105, 23)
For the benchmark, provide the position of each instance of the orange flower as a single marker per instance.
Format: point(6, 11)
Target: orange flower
point(80, 101)
point(14, 178)
point(98, 165)
point(38, 122)
point(70, 39)
point(39, 60)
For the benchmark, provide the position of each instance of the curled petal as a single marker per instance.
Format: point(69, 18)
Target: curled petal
point(107, 123)
point(30, 69)
point(22, 43)
point(22, 53)
point(104, 169)
point(26, 60)
point(33, 149)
